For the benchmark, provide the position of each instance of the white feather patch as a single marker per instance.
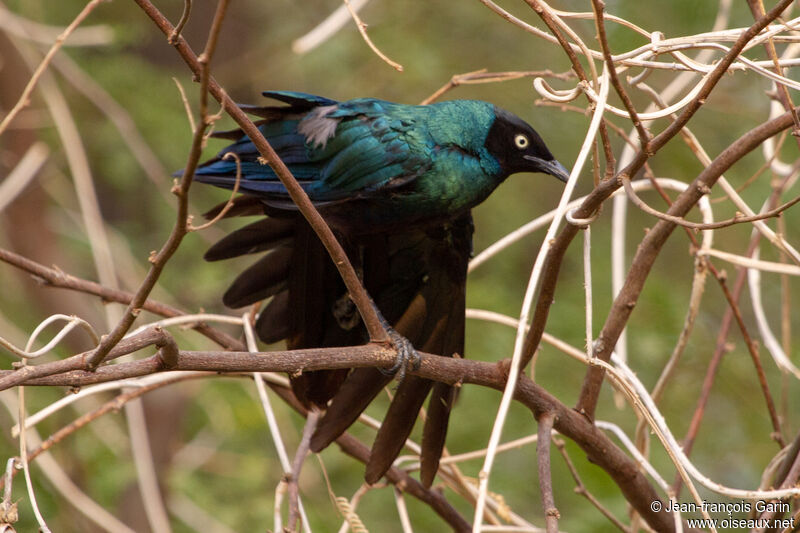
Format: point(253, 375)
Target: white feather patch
point(317, 127)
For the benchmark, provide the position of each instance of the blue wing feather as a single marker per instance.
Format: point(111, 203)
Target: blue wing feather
point(369, 149)
point(299, 99)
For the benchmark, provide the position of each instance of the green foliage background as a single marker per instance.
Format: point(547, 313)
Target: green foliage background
point(433, 40)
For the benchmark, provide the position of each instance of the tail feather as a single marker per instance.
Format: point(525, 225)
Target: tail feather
point(353, 397)
point(435, 430)
point(316, 288)
point(434, 322)
point(265, 278)
point(259, 236)
point(272, 324)
point(417, 279)
point(396, 426)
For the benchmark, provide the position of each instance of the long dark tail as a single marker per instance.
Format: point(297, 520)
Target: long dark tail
point(300, 281)
point(429, 278)
point(417, 278)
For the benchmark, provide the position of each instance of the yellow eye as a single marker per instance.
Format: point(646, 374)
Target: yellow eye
point(521, 141)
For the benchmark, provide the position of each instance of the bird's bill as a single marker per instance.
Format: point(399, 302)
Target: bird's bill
point(552, 167)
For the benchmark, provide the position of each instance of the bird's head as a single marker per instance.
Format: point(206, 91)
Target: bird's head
point(518, 148)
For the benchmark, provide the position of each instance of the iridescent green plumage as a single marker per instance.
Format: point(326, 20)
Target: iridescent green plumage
point(399, 163)
point(396, 183)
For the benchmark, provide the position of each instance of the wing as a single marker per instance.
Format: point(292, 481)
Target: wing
point(337, 151)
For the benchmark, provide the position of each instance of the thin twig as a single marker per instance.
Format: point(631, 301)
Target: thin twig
point(111, 406)
point(14, 24)
point(25, 462)
point(483, 76)
point(293, 481)
point(519, 358)
point(187, 11)
point(547, 16)
point(25, 98)
point(323, 31)
point(159, 260)
point(680, 221)
point(599, 20)
point(362, 29)
point(580, 488)
point(757, 8)
point(402, 510)
point(731, 313)
point(259, 379)
point(23, 173)
point(72, 323)
point(551, 514)
point(229, 203)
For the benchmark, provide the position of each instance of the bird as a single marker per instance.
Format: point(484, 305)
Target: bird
point(396, 183)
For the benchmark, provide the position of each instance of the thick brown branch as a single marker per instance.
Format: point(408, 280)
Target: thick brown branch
point(599, 448)
point(79, 363)
point(350, 445)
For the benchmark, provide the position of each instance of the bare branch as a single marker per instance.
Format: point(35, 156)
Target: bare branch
point(551, 514)
point(24, 99)
point(362, 29)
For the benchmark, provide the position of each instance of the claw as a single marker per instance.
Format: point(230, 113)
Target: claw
point(407, 356)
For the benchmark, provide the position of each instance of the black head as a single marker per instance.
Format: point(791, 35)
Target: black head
point(518, 148)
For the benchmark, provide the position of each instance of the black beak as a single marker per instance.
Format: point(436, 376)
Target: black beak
point(552, 167)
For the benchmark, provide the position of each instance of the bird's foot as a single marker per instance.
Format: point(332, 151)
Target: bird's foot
point(407, 357)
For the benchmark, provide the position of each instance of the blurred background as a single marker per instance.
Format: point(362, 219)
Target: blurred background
point(209, 438)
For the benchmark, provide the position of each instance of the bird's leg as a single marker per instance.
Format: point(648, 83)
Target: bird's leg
point(347, 316)
point(407, 356)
